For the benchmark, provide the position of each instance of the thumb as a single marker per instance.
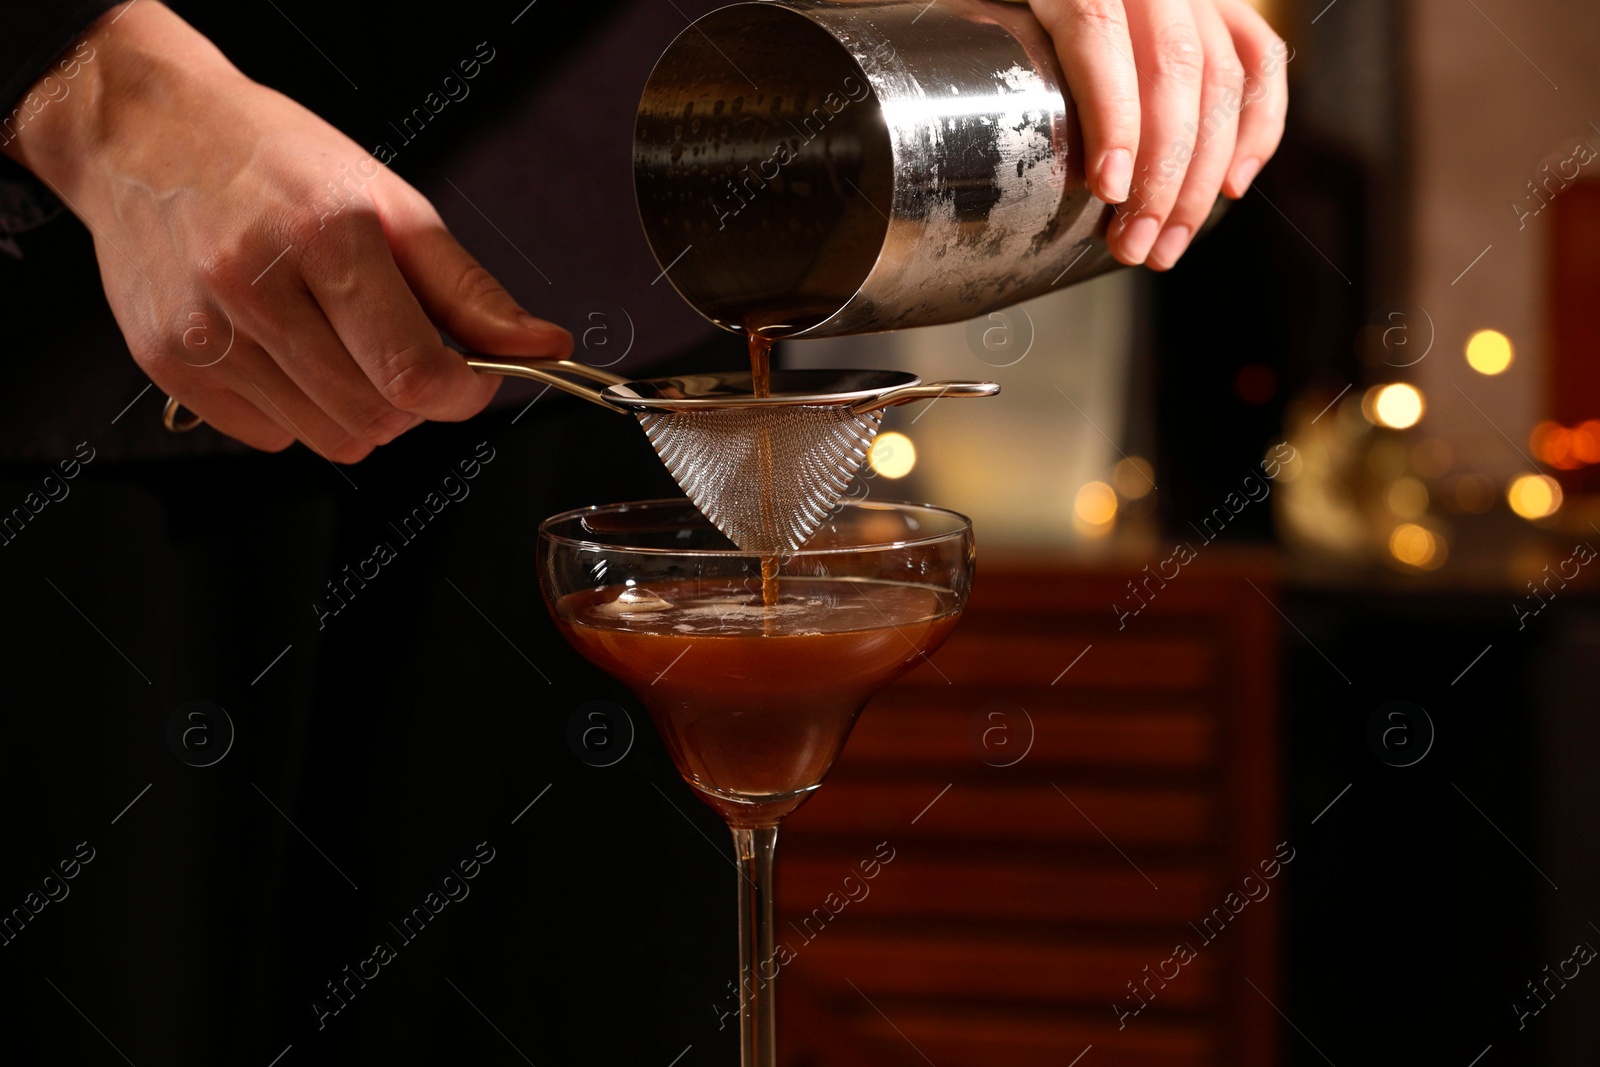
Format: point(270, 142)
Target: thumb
point(463, 298)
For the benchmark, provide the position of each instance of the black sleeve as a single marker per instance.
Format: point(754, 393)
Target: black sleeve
point(33, 34)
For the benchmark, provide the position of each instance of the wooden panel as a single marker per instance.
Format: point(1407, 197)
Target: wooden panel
point(1011, 656)
point(1013, 915)
point(1572, 330)
point(997, 892)
point(1039, 971)
point(1033, 814)
point(1572, 387)
point(940, 725)
point(967, 1038)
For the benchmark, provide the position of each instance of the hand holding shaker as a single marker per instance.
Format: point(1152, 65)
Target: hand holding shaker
point(824, 167)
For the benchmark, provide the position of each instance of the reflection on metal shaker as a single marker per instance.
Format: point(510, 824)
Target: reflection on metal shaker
point(824, 167)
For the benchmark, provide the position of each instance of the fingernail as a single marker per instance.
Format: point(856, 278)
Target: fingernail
point(1169, 246)
point(1245, 173)
point(1141, 235)
point(528, 322)
point(1116, 175)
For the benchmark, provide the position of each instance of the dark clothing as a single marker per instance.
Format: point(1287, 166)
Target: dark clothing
point(390, 728)
point(417, 721)
point(34, 35)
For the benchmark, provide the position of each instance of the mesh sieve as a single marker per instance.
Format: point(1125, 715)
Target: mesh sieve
point(766, 476)
point(767, 471)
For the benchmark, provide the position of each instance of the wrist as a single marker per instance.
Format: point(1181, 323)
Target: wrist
point(93, 105)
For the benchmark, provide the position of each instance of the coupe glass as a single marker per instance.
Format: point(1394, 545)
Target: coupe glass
point(754, 701)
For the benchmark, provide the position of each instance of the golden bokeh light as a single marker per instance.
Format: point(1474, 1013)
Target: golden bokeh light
point(1397, 405)
point(1417, 546)
point(1408, 498)
point(1489, 352)
point(1096, 504)
point(892, 455)
point(1133, 477)
point(1534, 496)
point(1288, 469)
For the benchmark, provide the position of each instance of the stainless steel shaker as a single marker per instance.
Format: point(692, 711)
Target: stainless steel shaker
point(824, 167)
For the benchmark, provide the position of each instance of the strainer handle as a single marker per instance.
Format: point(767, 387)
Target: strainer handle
point(546, 371)
point(927, 391)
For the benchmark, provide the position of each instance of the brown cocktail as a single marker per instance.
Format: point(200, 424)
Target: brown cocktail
point(755, 695)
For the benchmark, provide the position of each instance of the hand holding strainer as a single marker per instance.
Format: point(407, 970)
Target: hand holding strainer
point(766, 470)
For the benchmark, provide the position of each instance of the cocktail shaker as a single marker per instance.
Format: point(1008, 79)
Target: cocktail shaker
point(824, 167)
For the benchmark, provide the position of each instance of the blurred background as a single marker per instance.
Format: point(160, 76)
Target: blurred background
point(1289, 545)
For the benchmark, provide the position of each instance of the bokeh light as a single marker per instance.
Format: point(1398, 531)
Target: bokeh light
point(1408, 498)
point(1489, 352)
point(1534, 496)
point(1566, 448)
point(1133, 477)
point(1096, 504)
point(1397, 405)
point(1417, 546)
point(1289, 469)
point(892, 455)
point(1551, 443)
point(1586, 441)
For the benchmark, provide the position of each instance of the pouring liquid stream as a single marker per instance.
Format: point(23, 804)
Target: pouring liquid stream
point(761, 385)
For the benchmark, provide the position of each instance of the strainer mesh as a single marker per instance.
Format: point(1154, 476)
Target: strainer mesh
point(766, 476)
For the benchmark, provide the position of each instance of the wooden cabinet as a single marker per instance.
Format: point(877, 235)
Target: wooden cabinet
point(1066, 801)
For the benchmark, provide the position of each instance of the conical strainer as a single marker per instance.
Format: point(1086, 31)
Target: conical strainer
point(767, 471)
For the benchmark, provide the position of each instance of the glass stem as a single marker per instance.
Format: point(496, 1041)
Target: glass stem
point(758, 965)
